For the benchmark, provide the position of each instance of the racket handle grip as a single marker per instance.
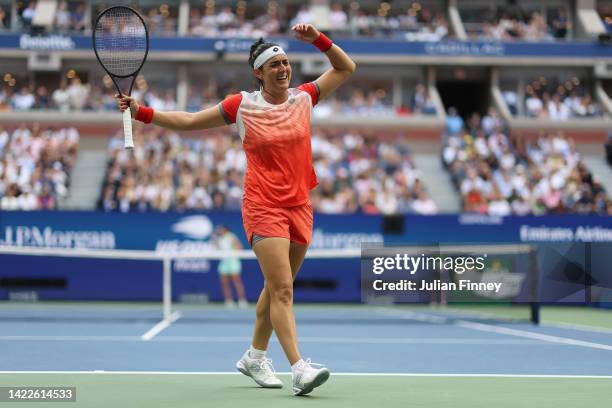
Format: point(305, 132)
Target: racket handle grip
point(127, 129)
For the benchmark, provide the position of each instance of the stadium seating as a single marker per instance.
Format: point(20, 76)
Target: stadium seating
point(497, 173)
point(556, 99)
point(357, 173)
point(402, 91)
point(35, 166)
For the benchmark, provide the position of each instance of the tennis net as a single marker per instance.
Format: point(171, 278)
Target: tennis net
point(327, 276)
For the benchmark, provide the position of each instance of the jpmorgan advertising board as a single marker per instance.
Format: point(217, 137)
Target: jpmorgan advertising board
point(319, 279)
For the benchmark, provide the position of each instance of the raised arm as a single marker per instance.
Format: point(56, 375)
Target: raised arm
point(342, 65)
point(204, 119)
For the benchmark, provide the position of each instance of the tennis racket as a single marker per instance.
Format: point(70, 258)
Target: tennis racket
point(121, 44)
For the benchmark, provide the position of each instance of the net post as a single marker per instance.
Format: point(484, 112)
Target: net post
point(534, 277)
point(167, 287)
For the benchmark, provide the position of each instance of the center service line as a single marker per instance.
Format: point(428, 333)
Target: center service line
point(161, 326)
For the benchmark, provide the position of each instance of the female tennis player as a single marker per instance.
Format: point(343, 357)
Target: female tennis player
point(274, 125)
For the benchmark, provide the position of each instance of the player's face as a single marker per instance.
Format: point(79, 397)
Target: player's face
point(276, 73)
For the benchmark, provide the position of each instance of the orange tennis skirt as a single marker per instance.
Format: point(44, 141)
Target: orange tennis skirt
point(293, 223)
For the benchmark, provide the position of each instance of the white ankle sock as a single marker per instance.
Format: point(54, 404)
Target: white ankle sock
point(258, 354)
point(297, 364)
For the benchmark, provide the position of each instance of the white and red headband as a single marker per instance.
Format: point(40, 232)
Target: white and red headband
point(267, 54)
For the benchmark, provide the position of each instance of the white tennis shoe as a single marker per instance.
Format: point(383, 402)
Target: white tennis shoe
point(260, 370)
point(307, 376)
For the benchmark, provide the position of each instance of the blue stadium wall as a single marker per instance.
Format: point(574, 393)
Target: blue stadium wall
point(328, 280)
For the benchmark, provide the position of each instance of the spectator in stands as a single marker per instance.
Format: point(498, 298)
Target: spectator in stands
point(61, 97)
point(27, 15)
point(63, 17)
point(4, 138)
point(338, 20)
point(561, 23)
point(586, 107)
point(4, 20)
point(155, 21)
point(607, 21)
point(511, 98)
point(269, 22)
point(225, 18)
point(491, 121)
point(533, 104)
point(43, 100)
point(498, 205)
point(46, 201)
point(303, 16)
point(536, 29)
point(423, 204)
point(78, 94)
point(10, 200)
point(79, 21)
point(422, 102)
point(24, 100)
point(5, 98)
point(454, 122)
point(557, 110)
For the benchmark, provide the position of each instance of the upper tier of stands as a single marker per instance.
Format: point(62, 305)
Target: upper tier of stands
point(425, 20)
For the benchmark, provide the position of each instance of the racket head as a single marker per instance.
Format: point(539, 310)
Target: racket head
point(120, 41)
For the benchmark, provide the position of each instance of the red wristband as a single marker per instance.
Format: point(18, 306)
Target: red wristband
point(144, 114)
point(323, 42)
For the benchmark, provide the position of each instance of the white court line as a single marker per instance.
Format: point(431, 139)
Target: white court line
point(466, 315)
point(576, 326)
point(500, 330)
point(531, 335)
point(342, 374)
point(364, 340)
point(70, 338)
point(161, 326)
point(238, 339)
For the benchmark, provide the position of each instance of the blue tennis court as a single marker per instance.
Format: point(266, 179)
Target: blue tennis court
point(430, 355)
point(352, 339)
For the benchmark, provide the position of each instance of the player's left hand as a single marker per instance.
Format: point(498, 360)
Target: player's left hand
point(305, 32)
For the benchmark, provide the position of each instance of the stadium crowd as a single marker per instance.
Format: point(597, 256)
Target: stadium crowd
point(419, 23)
point(70, 16)
point(501, 174)
point(74, 95)
point(357, 173)
point(512, 22)
point(247, 20)
point(556, 99)
point(35, 166)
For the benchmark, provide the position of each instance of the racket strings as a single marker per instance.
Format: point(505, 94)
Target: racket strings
point(121, 41)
